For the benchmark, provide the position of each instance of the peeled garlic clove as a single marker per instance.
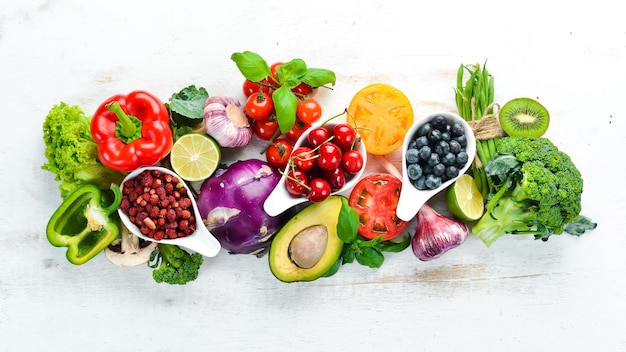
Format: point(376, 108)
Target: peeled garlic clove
point(436, 234)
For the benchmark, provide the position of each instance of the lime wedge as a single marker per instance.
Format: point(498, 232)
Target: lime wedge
point(195, 156)
point(464, 200)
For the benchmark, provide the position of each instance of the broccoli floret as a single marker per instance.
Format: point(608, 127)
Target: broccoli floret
point(174, 265)
point(71, 153)
point(537, 190)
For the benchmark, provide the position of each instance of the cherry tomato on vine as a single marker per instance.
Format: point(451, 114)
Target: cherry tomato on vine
point(259, 106)
point(345, 135)
point(278, 153)
point(375, 199)
point(273, 79)
point(304, 91)
point(265, 129)
point(250, 87)
point(297, 130)
point(309, 111)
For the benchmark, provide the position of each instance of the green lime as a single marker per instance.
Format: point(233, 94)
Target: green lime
point(195, 156)
point(464, 199)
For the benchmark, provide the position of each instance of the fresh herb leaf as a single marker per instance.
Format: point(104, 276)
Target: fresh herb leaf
point(348, 223)
point(252, 66)
point(286, 104)
point(290, 73)
point(317, 77)
point(333, 269)
point(347, 254)
point(189, 102)
point(398, 244)
point(370, 256)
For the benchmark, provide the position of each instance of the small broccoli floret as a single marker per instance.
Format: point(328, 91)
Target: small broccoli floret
point(173, 265)
point(538, 193)
point(71, 153)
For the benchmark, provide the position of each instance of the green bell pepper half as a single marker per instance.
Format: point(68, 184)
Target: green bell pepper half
point(84, 224)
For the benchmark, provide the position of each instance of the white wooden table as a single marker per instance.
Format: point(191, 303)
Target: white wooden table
point(519, 295)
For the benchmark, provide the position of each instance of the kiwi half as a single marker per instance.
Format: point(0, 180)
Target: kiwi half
point(524, 117)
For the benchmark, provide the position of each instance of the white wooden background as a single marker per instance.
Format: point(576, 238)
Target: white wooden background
point(519, 295)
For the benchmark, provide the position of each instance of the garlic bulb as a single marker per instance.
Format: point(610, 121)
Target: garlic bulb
point(225, 120)
point(436, 234)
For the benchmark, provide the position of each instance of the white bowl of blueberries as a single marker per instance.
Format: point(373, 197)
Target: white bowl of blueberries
point(437, 149)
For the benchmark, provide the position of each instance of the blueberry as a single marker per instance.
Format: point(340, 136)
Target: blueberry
point(462, 140)
point(455, 146)
point(420, 183)
point(457, 129)
point(424, 129)
point(461, 159)
point(439, 169)
point(432, 182)
point(433, 159)
point(425, 152)
point(414, 171)
point(427, 169)
point(421, 141)
point(439, 122)
point(451, 172)
point(434, 136)
point(412, 156)
point(445, 136)
point(442, 148)
point(449, 159)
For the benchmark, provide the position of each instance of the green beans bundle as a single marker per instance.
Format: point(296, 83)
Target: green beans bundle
point(475, 102)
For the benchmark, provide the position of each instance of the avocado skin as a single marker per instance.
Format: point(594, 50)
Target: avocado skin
point(324, 213)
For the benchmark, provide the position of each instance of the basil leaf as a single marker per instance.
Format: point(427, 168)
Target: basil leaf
point(347, 255)
point(290, 73)
point(371, 257)
point(285, 103)
point(189, 102)
point(317, 77)
point(252, 66)
point(397, 244)
point(348, 222)
point(333, 269)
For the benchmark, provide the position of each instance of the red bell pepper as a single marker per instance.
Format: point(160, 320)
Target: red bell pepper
point(132, 131)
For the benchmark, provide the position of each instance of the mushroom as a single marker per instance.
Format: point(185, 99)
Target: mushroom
point(129, 250)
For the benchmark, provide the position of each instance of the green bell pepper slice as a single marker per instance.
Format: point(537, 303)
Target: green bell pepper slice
point(83, 224)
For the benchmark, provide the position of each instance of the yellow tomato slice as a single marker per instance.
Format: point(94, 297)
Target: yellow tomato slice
point(382, 115)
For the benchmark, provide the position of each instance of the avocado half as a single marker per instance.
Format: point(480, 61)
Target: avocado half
point(315, 223)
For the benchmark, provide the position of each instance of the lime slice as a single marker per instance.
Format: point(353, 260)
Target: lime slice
point(195, 156)
point(464, 200)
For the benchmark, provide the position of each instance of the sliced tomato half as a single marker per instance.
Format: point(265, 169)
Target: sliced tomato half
point(375, 199)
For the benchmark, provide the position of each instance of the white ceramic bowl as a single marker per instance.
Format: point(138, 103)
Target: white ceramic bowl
point(201, 241)
point(280, 199)
point(411, 198)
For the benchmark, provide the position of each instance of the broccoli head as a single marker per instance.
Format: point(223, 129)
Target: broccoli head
point(537, 190)
point(174, 265)
point(71, 153)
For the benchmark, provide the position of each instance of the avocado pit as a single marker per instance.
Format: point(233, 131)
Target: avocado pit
point(308, 246)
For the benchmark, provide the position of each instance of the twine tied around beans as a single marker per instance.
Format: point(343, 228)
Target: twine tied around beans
point(488, 126)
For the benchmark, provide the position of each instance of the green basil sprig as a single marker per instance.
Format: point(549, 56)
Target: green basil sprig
point(288, 76)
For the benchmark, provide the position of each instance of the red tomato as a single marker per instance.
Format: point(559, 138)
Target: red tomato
point(304, 91)
point(265, 129)
point(297, 130)
point(250, 87)
point(375, 199)
point(273, 80)
point(309, 111)
point(259, 106)
point(278, 153)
